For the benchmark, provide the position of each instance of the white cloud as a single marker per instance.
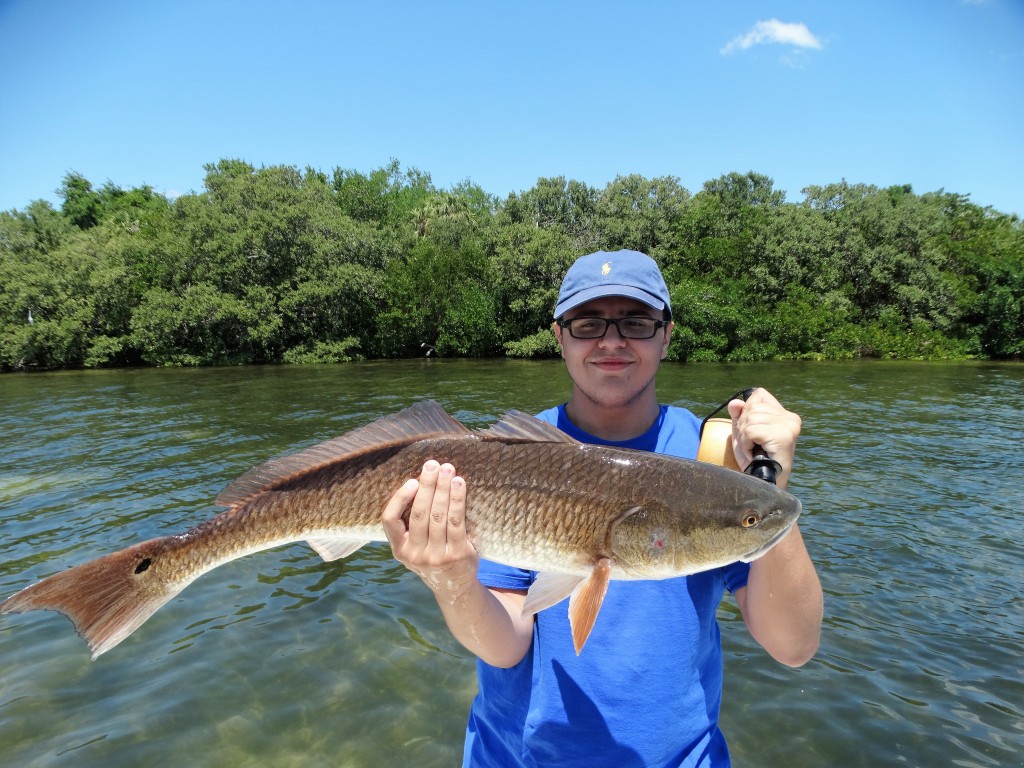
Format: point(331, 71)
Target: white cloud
point(774, 31)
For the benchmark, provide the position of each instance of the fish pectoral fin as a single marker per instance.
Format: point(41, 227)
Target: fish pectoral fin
point(586, 594)
point(586, 600)
point(335, 549)
point(549, 589)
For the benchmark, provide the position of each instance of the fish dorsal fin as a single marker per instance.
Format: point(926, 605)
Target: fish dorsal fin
point(417, 422)
point(519, 426)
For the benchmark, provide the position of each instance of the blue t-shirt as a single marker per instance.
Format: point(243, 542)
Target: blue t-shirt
point(645, 691)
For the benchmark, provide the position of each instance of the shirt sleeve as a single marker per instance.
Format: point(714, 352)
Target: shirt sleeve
point(498, 576)
point(735, 576)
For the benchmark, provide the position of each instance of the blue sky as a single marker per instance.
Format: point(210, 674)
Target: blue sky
point(921, 92)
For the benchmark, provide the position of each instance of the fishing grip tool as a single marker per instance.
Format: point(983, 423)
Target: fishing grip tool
point(716, 447)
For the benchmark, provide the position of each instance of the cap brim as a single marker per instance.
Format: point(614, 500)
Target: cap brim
point(603, 291)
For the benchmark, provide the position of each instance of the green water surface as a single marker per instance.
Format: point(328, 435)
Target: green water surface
point(911, 476)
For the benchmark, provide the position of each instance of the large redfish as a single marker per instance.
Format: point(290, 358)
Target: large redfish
point(538, 499)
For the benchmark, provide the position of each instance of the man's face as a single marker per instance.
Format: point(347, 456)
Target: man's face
point(613, 371)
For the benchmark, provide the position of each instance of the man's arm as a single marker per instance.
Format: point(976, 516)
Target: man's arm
point(782, 602)
point(434, 546)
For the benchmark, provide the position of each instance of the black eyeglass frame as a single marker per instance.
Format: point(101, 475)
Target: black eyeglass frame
point(655, 326)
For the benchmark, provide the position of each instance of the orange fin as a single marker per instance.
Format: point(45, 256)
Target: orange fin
point(549, 589)
point(335, 549)
point(522, 427)
point(422, 420)
point(586, 601)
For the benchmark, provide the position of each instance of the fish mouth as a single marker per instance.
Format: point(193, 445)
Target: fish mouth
point(779, 536)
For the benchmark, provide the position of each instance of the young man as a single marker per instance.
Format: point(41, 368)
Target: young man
point(646, 690)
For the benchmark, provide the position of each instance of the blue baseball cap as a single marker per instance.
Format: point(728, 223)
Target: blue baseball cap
point(631, 274)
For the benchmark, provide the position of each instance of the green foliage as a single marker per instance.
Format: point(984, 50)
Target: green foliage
point(527, 265)
point(199, 326)
point(386, 197)
point(701, 332)
point(439, 297)
point(802, 322)
point(568, 207)
point(539, 344)
point(66, 304)
point(333, 302)
point(640, 214)
point(285, 265)
point(320, 352)
point(82, 206)
point(1001, 309)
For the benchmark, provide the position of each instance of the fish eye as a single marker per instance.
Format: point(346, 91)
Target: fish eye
point(751, 519)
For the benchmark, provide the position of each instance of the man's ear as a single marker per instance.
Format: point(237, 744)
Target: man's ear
point(557, 329)
point(668, 337)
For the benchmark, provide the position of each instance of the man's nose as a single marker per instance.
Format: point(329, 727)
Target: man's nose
point(612, 337)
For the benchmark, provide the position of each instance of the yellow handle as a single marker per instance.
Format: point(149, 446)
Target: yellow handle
point(716, 444)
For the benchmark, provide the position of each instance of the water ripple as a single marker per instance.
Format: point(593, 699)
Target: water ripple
point(909, 475)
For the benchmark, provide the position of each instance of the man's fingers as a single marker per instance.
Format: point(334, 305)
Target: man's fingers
point(749, 418)
point(394, 525)
point(457, 514)
point(419, 513)
point(395, 508)
point(762, 395)
point(434, 532)
point(438, 526)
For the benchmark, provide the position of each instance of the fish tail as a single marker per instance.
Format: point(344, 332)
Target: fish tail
point(107, 598)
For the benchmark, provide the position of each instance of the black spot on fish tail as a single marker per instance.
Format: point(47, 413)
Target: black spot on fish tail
point(101, 596)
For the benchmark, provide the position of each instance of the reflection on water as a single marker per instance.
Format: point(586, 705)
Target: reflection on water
point(910, 475)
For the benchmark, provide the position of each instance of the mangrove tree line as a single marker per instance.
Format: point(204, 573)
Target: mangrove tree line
point(286, 265)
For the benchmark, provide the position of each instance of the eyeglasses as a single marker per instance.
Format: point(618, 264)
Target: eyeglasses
point(639, 327)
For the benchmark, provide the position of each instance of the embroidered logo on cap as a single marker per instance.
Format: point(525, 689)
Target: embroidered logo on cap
point(606, 268)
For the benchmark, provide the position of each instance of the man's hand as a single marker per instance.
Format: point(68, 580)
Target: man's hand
point(762, 420)
point(433, 544)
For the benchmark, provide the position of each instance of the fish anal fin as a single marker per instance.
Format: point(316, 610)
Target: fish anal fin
point(335, 549)
point(586, 600)
point(516, 425)
point(424, 419)
point(549, 589)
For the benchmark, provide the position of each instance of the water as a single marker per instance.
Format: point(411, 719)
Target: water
point(910, 474)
